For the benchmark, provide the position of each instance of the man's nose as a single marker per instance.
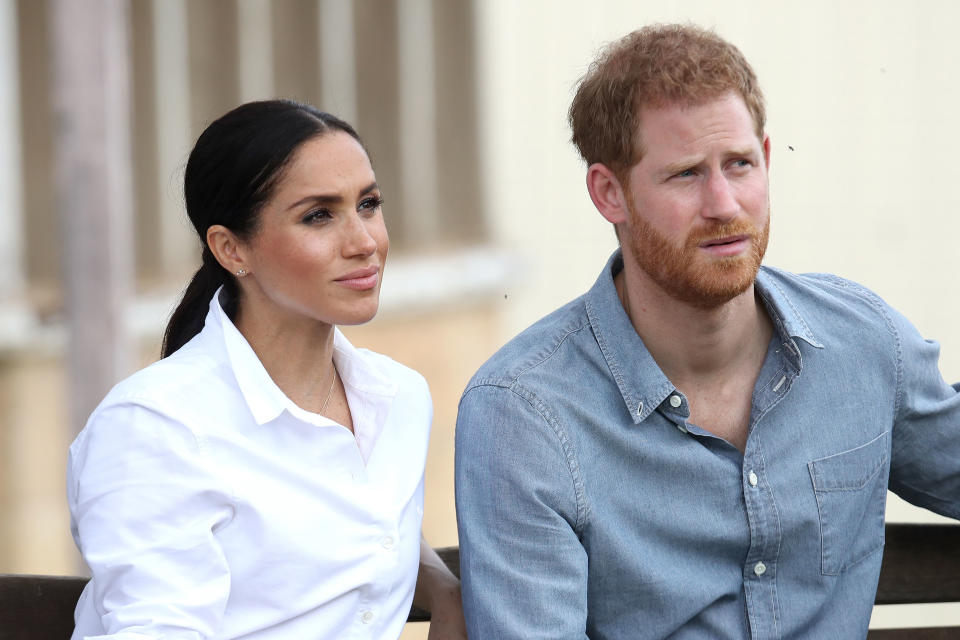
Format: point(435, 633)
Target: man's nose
point(719, 202)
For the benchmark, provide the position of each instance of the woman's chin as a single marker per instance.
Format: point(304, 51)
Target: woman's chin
point(359, 315)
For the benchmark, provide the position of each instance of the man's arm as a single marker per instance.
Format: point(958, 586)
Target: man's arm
point(523, 568)
point(925, 462)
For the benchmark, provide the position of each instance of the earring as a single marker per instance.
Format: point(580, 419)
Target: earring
point(241, 273)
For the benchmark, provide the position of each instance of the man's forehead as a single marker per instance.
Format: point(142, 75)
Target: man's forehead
point(687, 123)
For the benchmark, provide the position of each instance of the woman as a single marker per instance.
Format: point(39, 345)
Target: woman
point(265, 478)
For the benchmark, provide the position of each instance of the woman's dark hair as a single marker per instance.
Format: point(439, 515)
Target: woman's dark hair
point(231, 173)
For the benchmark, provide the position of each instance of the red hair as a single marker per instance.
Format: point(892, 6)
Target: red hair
point(657, 65)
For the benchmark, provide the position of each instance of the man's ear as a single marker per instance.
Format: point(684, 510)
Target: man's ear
point(766, 151)
point(608, 195)
point(227, 249)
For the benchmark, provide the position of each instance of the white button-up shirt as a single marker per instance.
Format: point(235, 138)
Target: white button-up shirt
point(208, 505)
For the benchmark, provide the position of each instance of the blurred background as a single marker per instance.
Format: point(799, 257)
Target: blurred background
point(462, 104)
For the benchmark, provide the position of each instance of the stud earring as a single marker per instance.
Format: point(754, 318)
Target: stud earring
point(241, 273)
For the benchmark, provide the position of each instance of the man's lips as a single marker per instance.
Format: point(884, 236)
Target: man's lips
point(360, 279)
point(726, 246)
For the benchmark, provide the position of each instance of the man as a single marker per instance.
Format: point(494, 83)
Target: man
point(698, 447)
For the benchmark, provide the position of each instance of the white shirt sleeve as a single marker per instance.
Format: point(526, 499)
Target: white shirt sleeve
point(145, 504)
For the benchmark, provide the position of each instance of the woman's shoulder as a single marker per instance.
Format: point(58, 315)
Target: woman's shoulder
point(172, 376)
point(375, 369)
point(176, 387)
point(388, 366)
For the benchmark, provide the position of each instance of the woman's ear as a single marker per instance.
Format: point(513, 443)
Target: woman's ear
point(227, 249)
point(608, 195)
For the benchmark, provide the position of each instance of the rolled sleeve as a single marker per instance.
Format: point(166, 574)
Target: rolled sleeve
point(523, 567)
point(144, 510)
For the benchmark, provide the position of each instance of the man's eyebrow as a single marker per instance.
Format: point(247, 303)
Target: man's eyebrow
point(321, 198)
point(741, 152)
point(689, 163)
point(679, 165)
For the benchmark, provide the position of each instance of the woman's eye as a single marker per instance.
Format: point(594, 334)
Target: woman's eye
point(371, 204)
point(316, 215)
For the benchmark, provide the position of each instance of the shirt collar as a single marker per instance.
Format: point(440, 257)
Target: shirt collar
point(265, 399)
point(782, 310)
point(642, 383)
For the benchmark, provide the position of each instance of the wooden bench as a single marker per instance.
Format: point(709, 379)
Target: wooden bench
point(921, 564)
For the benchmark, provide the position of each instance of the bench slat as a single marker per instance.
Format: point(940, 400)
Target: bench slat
point(921, 564)
point(38, 607)
point(922, 633)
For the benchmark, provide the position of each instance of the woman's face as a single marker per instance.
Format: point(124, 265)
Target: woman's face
point(320, 246)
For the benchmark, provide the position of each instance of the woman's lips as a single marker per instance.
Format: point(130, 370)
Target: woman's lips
point(361, 279)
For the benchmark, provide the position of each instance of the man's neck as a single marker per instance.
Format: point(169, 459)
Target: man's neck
point(694, 344)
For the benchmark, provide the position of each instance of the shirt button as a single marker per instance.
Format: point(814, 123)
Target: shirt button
point(386, 542)
point(682, 427)
point(752, 479)
point(759, 568)
point(675, 401)
point(366, 617)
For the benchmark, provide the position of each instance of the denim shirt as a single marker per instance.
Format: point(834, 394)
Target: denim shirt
point(589, 507)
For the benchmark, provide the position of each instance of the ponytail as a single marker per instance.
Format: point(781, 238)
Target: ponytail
point(187, 319)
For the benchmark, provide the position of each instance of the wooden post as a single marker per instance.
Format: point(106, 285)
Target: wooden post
point(90, 51)
point(11, 177)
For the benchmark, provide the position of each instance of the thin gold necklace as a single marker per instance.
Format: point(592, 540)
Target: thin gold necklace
point(333, 382)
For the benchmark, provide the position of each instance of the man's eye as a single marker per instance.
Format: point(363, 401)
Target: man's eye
point(687, 173)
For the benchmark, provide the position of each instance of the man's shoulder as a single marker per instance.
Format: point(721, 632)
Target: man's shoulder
point(817, 286)
point(535, 347)
point(824, 301)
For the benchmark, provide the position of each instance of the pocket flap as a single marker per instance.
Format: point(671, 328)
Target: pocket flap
point(852, 469)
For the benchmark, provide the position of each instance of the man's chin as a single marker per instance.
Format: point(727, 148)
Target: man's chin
point(716, 288)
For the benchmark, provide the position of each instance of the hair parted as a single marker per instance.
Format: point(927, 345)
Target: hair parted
point(231, 173)
point(657, 65)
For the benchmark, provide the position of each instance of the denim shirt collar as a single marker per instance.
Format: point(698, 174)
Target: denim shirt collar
point(642, 383)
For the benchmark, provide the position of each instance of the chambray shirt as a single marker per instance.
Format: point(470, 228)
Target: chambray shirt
point(589, 507)
point(209, 506)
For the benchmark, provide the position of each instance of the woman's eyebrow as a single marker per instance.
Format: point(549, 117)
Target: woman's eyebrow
point(333, 198)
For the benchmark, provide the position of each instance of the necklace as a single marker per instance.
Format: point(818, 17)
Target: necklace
point(330, 391)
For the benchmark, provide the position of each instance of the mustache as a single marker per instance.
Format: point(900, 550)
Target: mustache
point(715, 231)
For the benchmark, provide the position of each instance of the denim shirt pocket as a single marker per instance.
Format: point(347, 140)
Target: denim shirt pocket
point(851, 489)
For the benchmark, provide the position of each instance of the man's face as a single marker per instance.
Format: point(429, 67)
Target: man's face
point(698, 201)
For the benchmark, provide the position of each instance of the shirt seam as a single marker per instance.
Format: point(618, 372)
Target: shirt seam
point(877, 304)
point(146, 402)
point(552, 351)
point(570, 457)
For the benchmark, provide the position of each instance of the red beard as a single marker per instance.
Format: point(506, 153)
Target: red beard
point(686, 273)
